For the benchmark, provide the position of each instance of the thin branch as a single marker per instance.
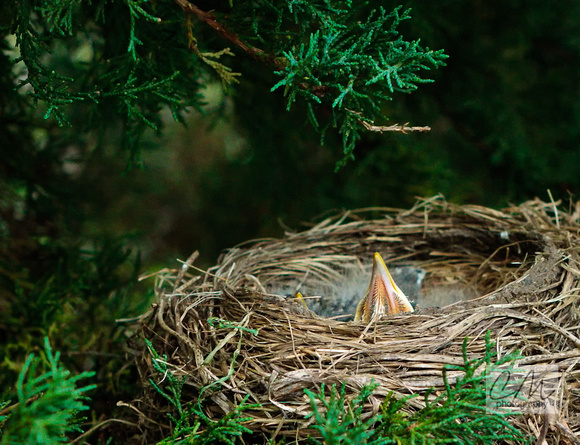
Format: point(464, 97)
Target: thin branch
point(208, 18)
point(9, 408)
point(568, 433)
point(396, 127)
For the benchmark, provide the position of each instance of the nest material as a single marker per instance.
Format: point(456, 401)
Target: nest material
point(522, 264)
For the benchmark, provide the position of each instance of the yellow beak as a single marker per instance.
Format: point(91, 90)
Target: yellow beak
point(300, 298)
point(383, 295)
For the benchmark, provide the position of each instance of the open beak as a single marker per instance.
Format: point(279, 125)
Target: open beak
point(383, 295)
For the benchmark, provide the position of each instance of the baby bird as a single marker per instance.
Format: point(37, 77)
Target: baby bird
point(383, 296)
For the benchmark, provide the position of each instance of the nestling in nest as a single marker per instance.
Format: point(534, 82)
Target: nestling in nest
point(383, 296)
point(238, 329)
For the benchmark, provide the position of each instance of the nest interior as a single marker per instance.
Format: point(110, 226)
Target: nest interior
point(514, 272)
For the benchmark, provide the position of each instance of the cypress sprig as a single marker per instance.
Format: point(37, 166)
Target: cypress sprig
point(135, 62)
point(190, 424)
point(49, 401)
point(458, 415)
point(334, 58)
point(339, 420)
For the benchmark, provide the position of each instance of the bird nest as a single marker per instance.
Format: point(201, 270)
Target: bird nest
point(237, 329)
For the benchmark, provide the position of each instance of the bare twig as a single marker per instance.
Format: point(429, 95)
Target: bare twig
point(396, 127)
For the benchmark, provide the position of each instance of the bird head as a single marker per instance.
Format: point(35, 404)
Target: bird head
point(383, 296)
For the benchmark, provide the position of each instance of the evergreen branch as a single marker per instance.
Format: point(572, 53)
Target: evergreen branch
point(339, 420)
point(352, 66)
point(333, 56)
point(136, 12)
point(60, 19)
point(49, 400)
point(209, 19)
point(190, 417)
point(458, 415)
point(223, 71)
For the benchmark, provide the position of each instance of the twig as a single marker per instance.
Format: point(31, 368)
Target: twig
point(207, 17)
point(103, 423)
point(568, 433)
point(396, 127)
point(555, 206)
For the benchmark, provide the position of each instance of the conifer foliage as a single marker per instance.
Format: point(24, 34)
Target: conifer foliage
point(49, 402)
point(134, 57)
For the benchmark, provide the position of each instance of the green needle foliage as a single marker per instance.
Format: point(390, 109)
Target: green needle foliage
point(458, 415)
point(129, 59)
point(190, 424)
point(49, 401)
point(339, 420)
point(115, 59)
point(350, 64)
